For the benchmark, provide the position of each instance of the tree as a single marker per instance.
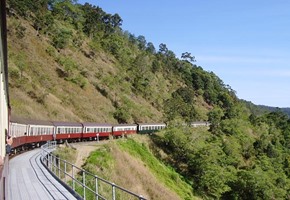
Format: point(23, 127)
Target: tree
point(92, 19)
point(187, 56)
point(215, 117)
point(150, 48)
point(163, 49)
point(116, 21)
point(141, 42)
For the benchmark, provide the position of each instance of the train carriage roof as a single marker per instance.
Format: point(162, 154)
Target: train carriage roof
point(92, 124)
point(72, 124)
point(122, 125)
point(151, 124)
point(30, 121)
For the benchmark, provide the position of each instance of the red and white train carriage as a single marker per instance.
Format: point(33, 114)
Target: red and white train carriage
point(34, 132)
point(30, 132)
point(96, 130)
point(124, 129)
point(67, 131)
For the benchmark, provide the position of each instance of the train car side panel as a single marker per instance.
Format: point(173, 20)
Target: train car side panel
point(95, 130)
point(124, 129)
point(144, 128)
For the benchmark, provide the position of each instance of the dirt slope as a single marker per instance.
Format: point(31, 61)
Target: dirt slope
point(129, 172)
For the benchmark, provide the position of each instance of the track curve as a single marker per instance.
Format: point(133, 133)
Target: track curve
point(29, 179)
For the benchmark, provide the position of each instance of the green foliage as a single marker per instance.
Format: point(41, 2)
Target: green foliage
point(78, 80)
point(70, 71)
point(122, 115)
point(99, 159)
point(61, 38)
point(165, 174)
point(181, 104)
point(214, 117)
point(240, 162)
point(51, 51)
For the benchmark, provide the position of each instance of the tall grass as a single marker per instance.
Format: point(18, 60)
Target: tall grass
point(164, 173)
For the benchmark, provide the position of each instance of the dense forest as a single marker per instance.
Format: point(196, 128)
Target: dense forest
point(69, 61)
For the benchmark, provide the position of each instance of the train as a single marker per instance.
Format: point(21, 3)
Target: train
point(31, 133)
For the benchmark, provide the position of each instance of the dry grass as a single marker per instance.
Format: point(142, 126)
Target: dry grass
point(128, 172)
point(133, 174)
point(61, 99)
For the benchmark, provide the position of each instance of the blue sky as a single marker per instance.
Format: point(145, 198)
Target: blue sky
point(246, 43)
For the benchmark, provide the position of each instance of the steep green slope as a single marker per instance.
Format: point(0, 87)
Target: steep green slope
point(131, 164)
point(74, 62)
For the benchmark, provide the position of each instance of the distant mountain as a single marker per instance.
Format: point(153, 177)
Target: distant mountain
point(286, 110)
point(261, 109)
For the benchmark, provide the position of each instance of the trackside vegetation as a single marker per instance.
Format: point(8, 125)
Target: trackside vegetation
point(165, 174)
point(101, 162)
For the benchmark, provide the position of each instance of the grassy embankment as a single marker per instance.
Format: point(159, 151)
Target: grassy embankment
point(130, 164)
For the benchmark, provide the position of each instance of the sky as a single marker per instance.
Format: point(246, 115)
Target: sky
point(246, 43)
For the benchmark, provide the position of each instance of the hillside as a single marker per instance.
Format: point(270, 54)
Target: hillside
point(130, 163)
point(73, 62)
point(62, 69)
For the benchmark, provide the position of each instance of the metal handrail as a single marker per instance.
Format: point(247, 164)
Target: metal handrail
point(67, 172)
